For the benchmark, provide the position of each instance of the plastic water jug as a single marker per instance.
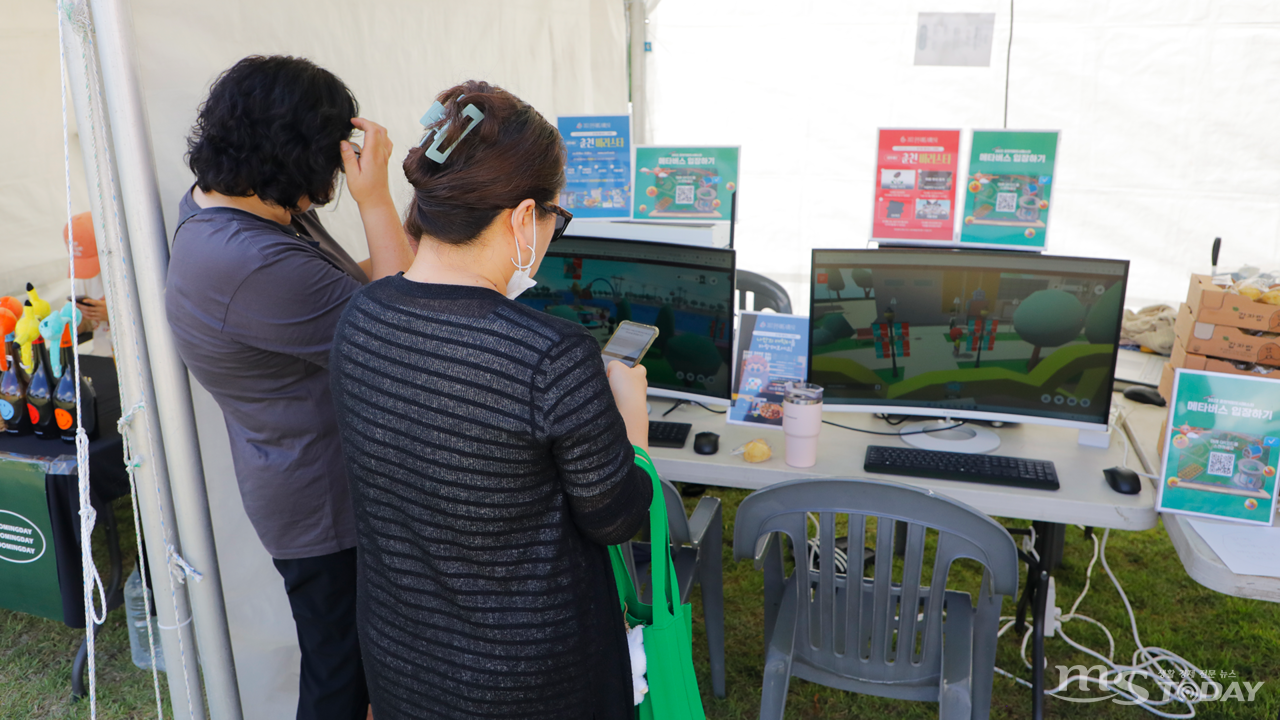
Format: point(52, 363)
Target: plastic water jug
point(135, 610)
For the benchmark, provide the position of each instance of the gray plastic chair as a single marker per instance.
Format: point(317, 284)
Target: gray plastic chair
point(696, 548)
point(898, 640)
point(767, 293)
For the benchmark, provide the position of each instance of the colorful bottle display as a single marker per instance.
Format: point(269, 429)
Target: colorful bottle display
point(13, 392)
point(38, 381)
point(40, 391)
point(64, 400)
point(25, 332)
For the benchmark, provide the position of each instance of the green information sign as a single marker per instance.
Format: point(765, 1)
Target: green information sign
point(1006, 200)
point(28, 564)
point(1221, 447)
point(684, 183)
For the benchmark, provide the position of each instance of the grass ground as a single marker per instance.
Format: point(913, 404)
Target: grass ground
point(1214, 631)
point(36, 656)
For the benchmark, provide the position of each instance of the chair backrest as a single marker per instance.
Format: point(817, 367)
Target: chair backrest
point(766, 293)
point(677, 521)
point(677, 528)
point(875, 632)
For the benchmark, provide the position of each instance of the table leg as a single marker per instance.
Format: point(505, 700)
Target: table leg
point(114, 598)
point(116, 579)
point(1037, 649)
point(1029, 589)
point(77, 668)
point(1026, 600)
point(900, 539)
point(1049, 541)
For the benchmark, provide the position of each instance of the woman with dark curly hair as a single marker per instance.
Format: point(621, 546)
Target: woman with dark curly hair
point(254, 292)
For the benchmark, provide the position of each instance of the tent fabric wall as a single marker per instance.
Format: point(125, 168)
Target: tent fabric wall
point(1166, 109)
point(33, 197)
point(561, 56)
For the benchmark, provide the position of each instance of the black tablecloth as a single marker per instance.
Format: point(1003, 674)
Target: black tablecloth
point(108, 480)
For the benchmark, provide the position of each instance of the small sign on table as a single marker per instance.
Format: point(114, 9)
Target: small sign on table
point(1221, 448)
point(772, 350)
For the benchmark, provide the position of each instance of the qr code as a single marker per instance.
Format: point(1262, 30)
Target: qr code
point(1222, 464)
point(1006, 202)
point(684, 194)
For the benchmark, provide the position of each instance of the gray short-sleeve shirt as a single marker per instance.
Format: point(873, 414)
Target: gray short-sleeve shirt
point(253, 306)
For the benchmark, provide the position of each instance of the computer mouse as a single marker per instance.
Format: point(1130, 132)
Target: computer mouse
point(1123, 480)
point(1144, 394)
point(706, 443)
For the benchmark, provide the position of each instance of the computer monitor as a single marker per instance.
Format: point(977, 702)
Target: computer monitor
point(687, 292)
point(965, 334)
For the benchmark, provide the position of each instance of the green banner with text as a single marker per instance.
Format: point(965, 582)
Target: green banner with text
point(28, 564)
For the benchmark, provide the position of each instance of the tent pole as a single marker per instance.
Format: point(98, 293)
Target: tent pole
point(639, 98)
point(154, 502)
point(149, 245)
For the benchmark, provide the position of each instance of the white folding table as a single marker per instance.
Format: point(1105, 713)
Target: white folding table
point(1084, 497)
point(1144, 424)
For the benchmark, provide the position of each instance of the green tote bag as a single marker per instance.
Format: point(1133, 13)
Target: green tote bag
point(668, 625)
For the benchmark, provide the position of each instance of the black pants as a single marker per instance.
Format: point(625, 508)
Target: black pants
point(322, 595)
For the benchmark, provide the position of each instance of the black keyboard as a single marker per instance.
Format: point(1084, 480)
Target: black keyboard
point(940, 465)
point(668, 434)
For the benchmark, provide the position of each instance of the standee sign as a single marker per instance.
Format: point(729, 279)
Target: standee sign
point(915, 185)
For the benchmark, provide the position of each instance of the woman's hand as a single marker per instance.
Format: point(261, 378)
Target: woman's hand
point(630, 387)
point(93, 311)
point(389, 251)
point(367, 172)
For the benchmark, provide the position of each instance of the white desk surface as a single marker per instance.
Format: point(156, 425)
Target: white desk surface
point(1084, 497)
point(1143, 423)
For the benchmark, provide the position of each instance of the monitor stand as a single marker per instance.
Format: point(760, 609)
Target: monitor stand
point(964, 439)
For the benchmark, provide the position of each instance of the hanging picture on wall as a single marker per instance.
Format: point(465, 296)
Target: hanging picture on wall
point(1007, 189)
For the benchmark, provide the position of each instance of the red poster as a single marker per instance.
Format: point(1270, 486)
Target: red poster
point(916, 185)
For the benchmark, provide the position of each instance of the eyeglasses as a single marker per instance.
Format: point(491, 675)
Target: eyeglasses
point(562, 219)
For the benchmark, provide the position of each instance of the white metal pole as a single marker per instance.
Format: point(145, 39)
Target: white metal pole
point(154, 501)
point(149, 244)
point(639, 101)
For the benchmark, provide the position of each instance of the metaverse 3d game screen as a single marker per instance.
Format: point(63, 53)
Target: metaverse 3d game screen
point(686, 292)
point(991, 332)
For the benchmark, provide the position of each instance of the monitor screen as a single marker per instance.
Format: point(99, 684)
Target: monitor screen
point(686, 292)
point(967, 333)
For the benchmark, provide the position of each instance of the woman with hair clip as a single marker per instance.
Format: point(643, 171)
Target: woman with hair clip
point(491, 455)
point(255, 289)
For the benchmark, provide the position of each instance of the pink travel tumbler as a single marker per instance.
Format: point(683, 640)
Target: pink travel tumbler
point(802, 422)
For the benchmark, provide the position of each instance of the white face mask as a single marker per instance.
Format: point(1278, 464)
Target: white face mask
point(520, 280)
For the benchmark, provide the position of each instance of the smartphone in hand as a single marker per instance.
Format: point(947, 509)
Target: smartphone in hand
point(629, 343)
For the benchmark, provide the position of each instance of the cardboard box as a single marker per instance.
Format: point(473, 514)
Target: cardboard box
point(1211, 304)
point(1222, 341)
point(1180, 358)
point(1165, 388)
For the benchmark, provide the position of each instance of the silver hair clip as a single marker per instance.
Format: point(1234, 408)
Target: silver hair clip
point(437, 112)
